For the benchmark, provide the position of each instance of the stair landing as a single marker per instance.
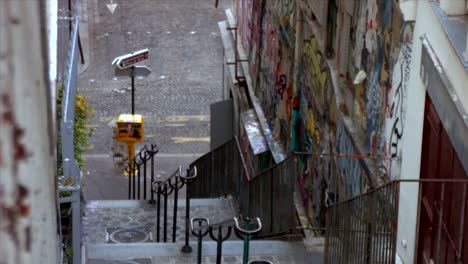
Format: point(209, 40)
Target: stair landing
point(106, 217)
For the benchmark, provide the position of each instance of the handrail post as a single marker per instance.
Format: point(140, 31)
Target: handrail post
point(187, 180)
point(174, 215)
point(187, 248)
point(144, 175)
point(151, 201)
point(200, 234)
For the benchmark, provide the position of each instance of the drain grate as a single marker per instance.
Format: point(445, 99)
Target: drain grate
point(129, 235)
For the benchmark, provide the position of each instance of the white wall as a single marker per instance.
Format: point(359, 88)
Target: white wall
point(408, 8)
point(28, 226)
point(453, 7)
point(426, 23)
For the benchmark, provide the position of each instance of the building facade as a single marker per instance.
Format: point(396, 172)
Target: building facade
point(432, 216)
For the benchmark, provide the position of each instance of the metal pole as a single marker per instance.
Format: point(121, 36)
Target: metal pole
point(152, 178)
point(158, 223)
point(165, 193)
point(187, 248)
point(129, 184)
point(132, 174)
point(219, 245)
point(144, 176)
point(138, 180)
point(200, 239)
point(133, 90)
point(174, 215)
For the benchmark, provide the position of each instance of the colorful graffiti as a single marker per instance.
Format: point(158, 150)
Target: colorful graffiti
point(315, 71)
point(369, 36)
point(286, 14)
point(353, 177)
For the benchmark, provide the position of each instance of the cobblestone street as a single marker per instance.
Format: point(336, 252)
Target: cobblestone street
point(186, 64)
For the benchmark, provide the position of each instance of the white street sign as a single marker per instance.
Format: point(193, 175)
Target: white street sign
point(131, 59)
point(140, 71)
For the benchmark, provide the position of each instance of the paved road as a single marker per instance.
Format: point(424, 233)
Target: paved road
point(186, 64)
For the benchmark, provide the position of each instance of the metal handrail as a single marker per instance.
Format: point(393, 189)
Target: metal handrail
point(364, 228)
point(399, 181)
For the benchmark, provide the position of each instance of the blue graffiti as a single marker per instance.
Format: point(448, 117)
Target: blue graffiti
point(349, 168)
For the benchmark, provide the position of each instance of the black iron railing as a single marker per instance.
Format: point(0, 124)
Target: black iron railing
point(244, 229)
point(364, 229)
point(137, 177)
point(269, 195)
point(162, 190)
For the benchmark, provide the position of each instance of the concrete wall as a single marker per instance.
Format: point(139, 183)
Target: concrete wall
point(28, 209)
point(426, 23)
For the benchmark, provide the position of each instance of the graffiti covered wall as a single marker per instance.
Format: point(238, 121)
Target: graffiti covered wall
point(371, 39)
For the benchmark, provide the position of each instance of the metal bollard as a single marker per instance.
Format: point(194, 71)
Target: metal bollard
point(219, 241)
point(199, 234)
point(247, 235)
point(187, 180)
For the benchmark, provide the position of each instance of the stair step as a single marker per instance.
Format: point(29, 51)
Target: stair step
point(230, 248)
point(101, 218)
point(217, 202)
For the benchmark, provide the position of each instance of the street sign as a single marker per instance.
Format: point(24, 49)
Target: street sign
point(131, 59)
point(140, 71)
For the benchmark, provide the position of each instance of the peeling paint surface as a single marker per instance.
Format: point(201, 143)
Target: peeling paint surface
point(26, 162)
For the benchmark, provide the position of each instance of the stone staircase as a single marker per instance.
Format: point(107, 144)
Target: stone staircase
point(125, 231)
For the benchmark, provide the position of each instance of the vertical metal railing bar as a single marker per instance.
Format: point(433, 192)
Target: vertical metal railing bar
point(165, 193)
point(176, 197)
point(439, 226)
point(376, 225)
point(461, 228)
point(347, 244)
point(138, 179)
point(348, 235)
point(388, 230)
point(386, 219)
point(129, 185)
point(355, 233)
point(132, 173)
point(145, 157)
point(327, 234)
point(388, 222)
point(369, 230)
point(339, 242)
point(158, 213)
point(335, 247)
point(339, 237)
point(379, 224)
point(152, 180)
point(343, 238)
